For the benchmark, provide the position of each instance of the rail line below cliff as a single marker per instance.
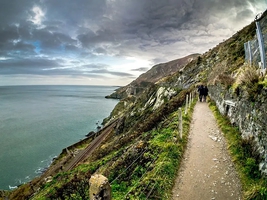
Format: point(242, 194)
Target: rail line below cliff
point(91, 147)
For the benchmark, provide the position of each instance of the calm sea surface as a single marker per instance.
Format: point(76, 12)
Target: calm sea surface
point(37, 122)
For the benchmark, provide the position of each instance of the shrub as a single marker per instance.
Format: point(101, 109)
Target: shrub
point(248, 76)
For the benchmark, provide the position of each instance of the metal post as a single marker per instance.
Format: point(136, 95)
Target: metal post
point(186, 104)
point(181, 123)
point(249, 53)
point(191, 99)
point(261, 45)
point(246, 51)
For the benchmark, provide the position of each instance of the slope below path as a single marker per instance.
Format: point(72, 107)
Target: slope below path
point(207, 171)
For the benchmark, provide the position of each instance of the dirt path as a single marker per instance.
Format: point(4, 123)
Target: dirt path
point(207, 171)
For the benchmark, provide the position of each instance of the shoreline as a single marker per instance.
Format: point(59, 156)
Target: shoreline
point(68, 133)
point(52, 158)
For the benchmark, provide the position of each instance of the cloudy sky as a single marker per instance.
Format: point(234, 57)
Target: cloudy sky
point(109, 42)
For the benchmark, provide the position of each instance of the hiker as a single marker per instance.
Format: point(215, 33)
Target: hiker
point(205, 92)
point(200, 92)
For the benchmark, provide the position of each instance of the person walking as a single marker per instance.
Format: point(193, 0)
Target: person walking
point(205, 92)
point(200, 92)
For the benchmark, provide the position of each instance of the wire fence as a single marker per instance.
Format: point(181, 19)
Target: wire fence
point(148, 180)
point(255, 50)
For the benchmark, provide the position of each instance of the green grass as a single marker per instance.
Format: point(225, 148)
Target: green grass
point(245, 158)
point(155, 177)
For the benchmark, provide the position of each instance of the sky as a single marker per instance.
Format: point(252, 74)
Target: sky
point(109, 42)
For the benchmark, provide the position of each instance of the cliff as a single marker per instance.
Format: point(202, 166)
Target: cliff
point(152, 76)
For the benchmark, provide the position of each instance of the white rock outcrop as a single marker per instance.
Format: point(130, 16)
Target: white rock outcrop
point(158, 99)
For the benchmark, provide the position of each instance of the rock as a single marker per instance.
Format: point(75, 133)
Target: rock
point(90, 134)
point(99, 188)
point(213, 138)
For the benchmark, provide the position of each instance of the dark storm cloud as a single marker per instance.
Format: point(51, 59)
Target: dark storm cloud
point(15, 10)
point(141, 69)
point(75, 12)
point(53, 67)
point(61, 37)
point(8, 33)
point(80, 71)
point(100, 50)
point(90, 38)
point(27, 66)
point(51, 40)
point(102, 69)
point(157, 23)
point(105, 71)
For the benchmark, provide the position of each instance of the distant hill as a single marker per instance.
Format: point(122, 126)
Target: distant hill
point(152, 76)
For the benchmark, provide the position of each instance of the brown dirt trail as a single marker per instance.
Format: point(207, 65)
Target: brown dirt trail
point(207, 172)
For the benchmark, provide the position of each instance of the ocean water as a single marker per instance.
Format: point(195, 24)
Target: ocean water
point(37, 122)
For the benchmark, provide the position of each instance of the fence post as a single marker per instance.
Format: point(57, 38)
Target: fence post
point(261, 45)
point(191, 98)
point(250, 53)
point(180, 122)
point(186, 104)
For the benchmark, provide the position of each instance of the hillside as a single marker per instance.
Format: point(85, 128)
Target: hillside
point(155, 74)
point(141, 156)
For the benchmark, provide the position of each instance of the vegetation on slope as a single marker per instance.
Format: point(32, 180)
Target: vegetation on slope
point(139, 165)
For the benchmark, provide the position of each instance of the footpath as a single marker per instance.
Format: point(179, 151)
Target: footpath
point(207, 172)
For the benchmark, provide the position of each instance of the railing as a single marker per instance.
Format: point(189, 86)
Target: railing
point(255, 53)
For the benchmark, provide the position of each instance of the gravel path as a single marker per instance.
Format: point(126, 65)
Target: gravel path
point(207, 172)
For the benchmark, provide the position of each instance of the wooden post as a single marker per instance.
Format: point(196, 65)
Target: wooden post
point(99, 188)
point(186, 104)
point(180, 122)
point(190, 99)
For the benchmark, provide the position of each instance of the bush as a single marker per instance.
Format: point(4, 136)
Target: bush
point(248, 76)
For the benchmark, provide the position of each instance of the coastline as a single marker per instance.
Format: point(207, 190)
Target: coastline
point(69, 129)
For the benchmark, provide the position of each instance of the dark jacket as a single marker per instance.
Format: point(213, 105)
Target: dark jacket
point(201, 90)
point(205, 91)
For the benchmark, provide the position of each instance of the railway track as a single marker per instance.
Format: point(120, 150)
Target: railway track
point(91, 147)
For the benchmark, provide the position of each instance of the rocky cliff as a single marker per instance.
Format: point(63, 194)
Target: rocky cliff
point(152, 76)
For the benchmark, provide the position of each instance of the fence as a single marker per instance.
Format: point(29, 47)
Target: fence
point(100, 188)
point(188, 102)
point(255, 50)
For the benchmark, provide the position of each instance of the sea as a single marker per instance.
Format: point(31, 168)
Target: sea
point(37, 122)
